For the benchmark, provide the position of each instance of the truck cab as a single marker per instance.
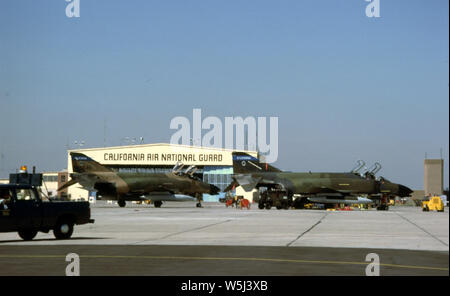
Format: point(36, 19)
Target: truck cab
point(20, 207)
point(23, 209)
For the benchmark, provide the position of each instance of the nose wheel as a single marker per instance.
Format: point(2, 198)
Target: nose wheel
point(199, 197)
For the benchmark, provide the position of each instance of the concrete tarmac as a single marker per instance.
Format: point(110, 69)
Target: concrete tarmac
point(156, 260)
point(281, 242)
point(181, 223)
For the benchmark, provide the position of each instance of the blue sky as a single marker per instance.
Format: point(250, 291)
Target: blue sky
point(343, 85)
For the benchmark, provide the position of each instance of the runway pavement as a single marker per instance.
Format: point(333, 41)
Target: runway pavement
point(180, 239)
point(216, 260)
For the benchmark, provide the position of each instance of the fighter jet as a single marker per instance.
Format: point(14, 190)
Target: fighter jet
point(345, 187)
point(130, 186)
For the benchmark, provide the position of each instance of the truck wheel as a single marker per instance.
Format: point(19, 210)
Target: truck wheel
point(27, 234)
point(260, 206)
point(63, 229)
point(157, 204)
point(121, 203)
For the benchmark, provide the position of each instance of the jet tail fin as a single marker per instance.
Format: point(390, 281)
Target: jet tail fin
point(244, 163)
point(84, 164)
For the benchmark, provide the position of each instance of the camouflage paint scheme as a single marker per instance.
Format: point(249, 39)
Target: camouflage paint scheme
point(112, 185)
point(250, 173)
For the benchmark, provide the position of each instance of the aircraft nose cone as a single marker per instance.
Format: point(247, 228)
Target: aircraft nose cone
point(213, 190)
point(404, 191)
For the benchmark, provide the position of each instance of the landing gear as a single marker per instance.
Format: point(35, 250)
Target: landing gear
point(384, 204)
point(157, 203)
point(121, 203)
point(199, 197)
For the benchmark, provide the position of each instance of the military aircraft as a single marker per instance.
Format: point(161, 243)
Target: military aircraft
point(131, 186)
point(346, 187)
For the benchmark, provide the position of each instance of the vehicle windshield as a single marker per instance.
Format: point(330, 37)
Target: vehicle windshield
point(26, 194)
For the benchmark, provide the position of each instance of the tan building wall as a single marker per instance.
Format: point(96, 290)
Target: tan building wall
point(433, 176)
point(50, 183)
point(149, 155)
point(248, 195)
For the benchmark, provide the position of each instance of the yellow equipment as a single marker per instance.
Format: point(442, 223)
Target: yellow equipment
point(434, 204)
point(309, 206)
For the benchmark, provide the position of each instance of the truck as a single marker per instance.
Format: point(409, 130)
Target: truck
point(277, 198)
point(25, 210)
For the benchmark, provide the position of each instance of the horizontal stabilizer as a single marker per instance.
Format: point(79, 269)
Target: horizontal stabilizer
point(67, 184)
point(232, 185)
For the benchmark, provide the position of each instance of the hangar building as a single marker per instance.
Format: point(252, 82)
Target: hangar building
point(215, 165)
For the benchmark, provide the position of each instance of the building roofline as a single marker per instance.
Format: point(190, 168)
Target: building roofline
point(159, 144)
